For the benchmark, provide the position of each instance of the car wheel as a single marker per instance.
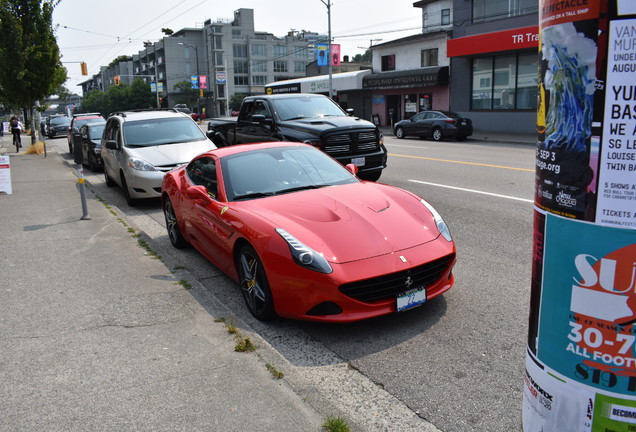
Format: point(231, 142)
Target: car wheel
point(437, 134)
point(399, 132)
point(172, 225)
point(254, 286)
point(129, 199)
point(109, 181)
point(91, 162)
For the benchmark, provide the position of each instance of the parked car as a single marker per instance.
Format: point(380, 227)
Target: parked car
point(76, 122)
point(139, 147)
point(183, 108)
point(90, 138)
point(43, 125)
point(304, 237)
point(435, 124)
point(57, 125)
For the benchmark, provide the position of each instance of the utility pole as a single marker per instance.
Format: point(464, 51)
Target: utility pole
point(196, 53)
point(580, 369)
point(329, 57)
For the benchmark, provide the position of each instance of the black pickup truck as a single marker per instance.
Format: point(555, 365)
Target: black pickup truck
point(308, 118)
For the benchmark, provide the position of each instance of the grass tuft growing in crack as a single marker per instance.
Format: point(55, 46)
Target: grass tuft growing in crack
point(275, 372)
point(336, 424)
point(185, 284)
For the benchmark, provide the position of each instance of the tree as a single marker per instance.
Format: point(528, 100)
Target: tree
point(167, 31)
point(29, 54)
point(363, 58)
point(184, 93)
point(235, 101)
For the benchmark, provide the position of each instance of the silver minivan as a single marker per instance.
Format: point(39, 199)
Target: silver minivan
point(139, 147)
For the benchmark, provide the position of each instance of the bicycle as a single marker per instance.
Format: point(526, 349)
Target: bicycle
point(17, 142)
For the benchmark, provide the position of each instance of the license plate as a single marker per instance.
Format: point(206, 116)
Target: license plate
point(359, 161)
point(410, 299)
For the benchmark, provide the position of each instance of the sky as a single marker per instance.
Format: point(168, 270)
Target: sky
point(98, 31)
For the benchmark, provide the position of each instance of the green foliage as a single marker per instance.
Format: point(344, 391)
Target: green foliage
point(185, 94)
point(336, 424)
point(363, 58)
point(29, 54)
point(235, 101)
point(121, 97)
point(121, 58)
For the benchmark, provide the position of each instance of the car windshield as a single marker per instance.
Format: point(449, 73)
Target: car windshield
point(280, 170)
point(95, 132)
point(451, 114)
point(60, 121)
point(79, 122)
point(298, 107)
point(154, 132)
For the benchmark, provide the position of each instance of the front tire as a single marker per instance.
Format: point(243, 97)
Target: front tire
point(399, 133)
point(172, 225)
point(437, 134)
point(254, 286)
point(129, 199)
point(109, 181)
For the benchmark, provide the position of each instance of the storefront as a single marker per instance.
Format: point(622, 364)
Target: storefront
point(401, 94)
point(495, 78)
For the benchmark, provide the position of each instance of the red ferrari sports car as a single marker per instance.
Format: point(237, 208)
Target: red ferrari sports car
point(304, 237)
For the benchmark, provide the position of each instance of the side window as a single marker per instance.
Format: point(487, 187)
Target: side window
point(246, 111)
point(261, 108)
point(202, 172)
point(112, 131)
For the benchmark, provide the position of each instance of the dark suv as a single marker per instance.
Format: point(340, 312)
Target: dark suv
point(57, 125)
point(72, 134)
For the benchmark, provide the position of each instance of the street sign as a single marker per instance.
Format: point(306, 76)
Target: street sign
point(5, 176)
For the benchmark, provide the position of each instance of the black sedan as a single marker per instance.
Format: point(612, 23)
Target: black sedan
point(91, 136)
point(435, 124)
point(57, 125)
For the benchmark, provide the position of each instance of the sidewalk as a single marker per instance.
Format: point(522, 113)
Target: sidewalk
point(98, 335)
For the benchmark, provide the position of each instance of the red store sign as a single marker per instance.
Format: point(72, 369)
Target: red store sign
point(509, 40)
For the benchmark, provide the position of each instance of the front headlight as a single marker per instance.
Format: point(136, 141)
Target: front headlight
point(140, 165)
point(303, 255)
point(441, 225)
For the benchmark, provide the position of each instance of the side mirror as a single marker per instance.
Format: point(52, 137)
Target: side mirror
point(353, 169)
point(349, 111)
point(258, 118)
point(111, 145)
point(198, 192)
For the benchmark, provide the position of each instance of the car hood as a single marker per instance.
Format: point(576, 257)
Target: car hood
point(321, 124)
point(171, 154)
point(351, 222)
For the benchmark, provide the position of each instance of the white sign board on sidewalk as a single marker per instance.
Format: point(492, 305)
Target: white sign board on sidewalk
point(5, 176)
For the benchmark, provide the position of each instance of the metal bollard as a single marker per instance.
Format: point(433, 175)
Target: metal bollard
point(80, 181)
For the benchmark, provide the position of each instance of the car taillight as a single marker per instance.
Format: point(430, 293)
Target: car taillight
point(451, 121)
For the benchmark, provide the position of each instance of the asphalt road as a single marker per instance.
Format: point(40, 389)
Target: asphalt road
point(458, 360)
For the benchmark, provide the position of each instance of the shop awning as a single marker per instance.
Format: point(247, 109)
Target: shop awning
point(423, 77)
point(320, 83)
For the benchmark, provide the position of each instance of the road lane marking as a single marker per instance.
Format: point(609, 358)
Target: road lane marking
point(465, 163)
point(473, 191)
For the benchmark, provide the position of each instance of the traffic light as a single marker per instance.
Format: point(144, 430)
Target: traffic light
point(116, 79)
point(84, 68)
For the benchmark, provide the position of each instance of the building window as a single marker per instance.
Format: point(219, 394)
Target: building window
point(279, 50)
point(425, 20)
point(239, 50)
point(488, 10)
point(429, 57)
point(218, 59)
point(300, 67)
point(218, 42)
point(236, 33)
point(259, 50)
point(302, 52)
point(259, 66)
point(388, 62)
point(280, 66)
point(445, 16)
point(259, 79)
point(505, 82)
point(220, 90)
point(240, 66)
point(240, 80)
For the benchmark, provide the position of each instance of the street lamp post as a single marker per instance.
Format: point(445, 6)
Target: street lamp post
point(330, 56)
point(196, 53)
